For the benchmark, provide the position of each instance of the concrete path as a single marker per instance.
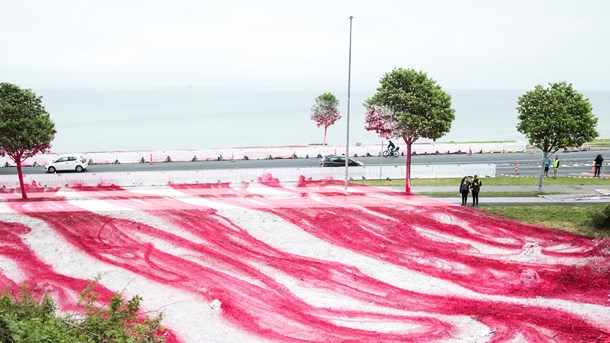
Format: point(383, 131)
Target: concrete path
point(576, 195)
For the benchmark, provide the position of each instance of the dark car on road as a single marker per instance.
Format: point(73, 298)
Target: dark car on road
point(338, 161)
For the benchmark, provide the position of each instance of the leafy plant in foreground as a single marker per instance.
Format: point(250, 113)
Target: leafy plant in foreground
point(23, 318)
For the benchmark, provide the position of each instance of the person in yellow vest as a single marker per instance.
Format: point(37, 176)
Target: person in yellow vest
point(555, 166)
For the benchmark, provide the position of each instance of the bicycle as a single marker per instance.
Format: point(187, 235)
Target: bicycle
point(388, 152)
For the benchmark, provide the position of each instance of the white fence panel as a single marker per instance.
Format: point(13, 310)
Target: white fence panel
point(246, 175)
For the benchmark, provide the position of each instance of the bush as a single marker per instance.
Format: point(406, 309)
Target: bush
point(25, 319)
point(601, 219)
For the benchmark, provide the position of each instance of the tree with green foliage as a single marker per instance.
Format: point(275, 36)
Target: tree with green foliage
point(410, 105)
point(325, 112)
point(26, 128)
point(555, 118)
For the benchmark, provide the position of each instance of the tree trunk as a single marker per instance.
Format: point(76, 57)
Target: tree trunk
point(20, 173)
point(541, 177)
point(409, 142)
point(325, 128)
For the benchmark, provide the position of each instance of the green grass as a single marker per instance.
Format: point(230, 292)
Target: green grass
point(569, 218)
point(496, 181)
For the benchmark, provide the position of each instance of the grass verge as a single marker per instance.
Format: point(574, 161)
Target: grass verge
point(570, 218)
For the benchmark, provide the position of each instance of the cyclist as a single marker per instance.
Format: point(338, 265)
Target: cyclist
point(391, 147)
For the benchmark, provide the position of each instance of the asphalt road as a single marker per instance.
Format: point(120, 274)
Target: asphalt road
point(572, 163)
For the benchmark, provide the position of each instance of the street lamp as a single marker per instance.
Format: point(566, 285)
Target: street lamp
point(349, 81)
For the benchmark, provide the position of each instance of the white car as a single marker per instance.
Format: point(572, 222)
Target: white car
point(73, 162)
point(338, 161)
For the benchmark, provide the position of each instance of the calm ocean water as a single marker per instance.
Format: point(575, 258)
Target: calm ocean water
point(192, 118)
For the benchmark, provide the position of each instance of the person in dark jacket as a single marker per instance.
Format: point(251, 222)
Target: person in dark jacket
point(599, 160)
point(476, 187)
point(391, 147)
point(465, 189)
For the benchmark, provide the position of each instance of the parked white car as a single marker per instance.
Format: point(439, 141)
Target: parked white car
point(72, 162)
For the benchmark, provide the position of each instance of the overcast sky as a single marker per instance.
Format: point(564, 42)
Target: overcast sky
point(478, 44)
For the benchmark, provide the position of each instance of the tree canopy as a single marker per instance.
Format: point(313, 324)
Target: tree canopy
point(26, 128)
point(325, 112)
point(410, 105)
point(417, 107)
point(556, 117)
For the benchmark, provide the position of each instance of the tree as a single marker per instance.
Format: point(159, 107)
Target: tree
point(26, 128)
point(325, 112)
point(555, 118)
point(410, 105)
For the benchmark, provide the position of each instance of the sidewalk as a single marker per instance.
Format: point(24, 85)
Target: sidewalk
point(576, 195)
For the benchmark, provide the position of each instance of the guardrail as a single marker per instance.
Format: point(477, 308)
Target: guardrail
point(151, 178)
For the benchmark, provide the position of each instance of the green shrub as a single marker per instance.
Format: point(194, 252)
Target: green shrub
point(24, 319)
point(601, 219)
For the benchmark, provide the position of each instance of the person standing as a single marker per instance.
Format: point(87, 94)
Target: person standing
point(547, 165)
point(555, 166)
point(476, 187)
point(599, 160)
point(464, 189)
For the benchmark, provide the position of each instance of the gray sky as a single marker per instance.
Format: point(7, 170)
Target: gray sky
point(461, 44)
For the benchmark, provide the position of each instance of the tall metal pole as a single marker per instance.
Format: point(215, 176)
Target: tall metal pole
point(349, 81)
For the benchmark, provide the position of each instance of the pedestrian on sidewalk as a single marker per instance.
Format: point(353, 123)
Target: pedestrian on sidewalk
point(555, 166)
point(547, 164)
point(476, 187)
point(464, 189)
point(599, 160)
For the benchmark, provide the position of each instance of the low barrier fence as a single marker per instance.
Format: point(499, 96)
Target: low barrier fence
point(253, 153)
point(151, 178)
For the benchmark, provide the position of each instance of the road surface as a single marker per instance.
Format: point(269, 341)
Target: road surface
point(572, 163)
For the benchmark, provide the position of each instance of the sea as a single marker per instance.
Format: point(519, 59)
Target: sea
point(125, 119)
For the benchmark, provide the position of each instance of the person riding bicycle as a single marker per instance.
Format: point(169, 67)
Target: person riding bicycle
point(391, 147)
